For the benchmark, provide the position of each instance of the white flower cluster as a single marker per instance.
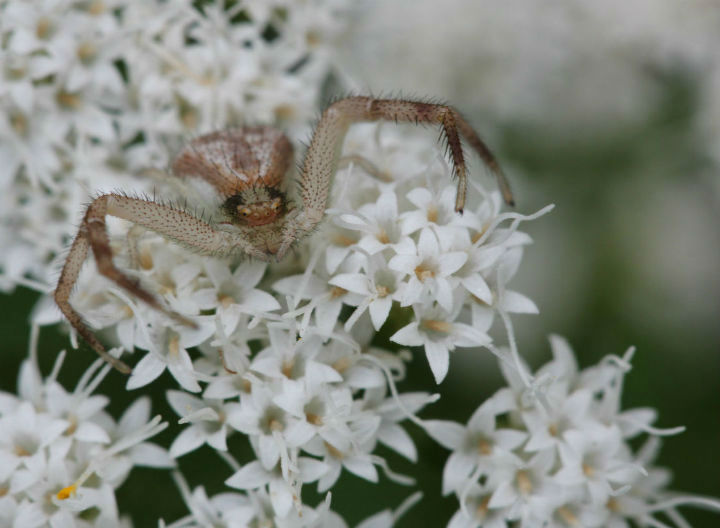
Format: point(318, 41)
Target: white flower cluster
point(559, 456)
point(288, 352)
point(53, 441)
point(92, 92)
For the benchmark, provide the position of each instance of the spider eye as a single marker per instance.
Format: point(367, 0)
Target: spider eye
point(245, 211)
point(275, 204)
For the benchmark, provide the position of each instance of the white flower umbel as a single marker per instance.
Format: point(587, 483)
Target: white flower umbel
point(92, 94)
point(52, 440)
point(561, 457)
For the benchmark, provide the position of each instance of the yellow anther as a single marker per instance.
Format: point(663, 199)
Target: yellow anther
point(66, 492)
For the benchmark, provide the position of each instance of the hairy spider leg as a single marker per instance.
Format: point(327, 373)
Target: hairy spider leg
point(174, 224)
point(323, 153)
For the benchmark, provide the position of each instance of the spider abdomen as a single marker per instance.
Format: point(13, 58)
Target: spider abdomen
point(237, 159)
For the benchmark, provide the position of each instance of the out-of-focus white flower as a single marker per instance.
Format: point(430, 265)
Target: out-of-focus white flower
point(53, 440)
point(581, 470)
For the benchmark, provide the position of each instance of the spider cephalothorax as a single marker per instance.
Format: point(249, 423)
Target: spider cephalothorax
point(247, 168)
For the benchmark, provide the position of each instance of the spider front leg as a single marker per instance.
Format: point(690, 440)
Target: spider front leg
point(177, 225)
point(323, 154)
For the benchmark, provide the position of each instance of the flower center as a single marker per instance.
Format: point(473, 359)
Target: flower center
point(337, 291)
point(484, 447)
point(437, 326)
point(69, 101)
point(382, 236)
point(423, 273)
point(524, 483)
point(568, 516)
point(334, 451)
point(482, 508)
point(342, 240)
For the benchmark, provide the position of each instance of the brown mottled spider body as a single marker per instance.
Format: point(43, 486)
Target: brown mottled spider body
point(248, 170)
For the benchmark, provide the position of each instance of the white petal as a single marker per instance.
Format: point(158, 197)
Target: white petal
point(451, 262)
point(90, 432)
point(151, 455)
point(354, 282)
point(181, 367)
point(280, 497)
point(362, 467)
point(476, 285)
point(250, 476)
point(146, 371)
point(188, 440)
point(408, 335)
point(515, 302)
point(439, 358)
point(311, 469)
point(428, 244)
point(379, 311)
point(456, 471)
point(269, 454)
point(450, 435)
point(396, 438)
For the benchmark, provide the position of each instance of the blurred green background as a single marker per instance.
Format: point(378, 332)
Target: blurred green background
point(630, 256)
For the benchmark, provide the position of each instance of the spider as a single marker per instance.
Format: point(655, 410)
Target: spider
point(248, 169)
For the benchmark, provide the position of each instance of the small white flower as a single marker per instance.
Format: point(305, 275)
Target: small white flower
point(437, 331)
point(429, 269)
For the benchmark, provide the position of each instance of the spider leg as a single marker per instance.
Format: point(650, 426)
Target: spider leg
point(68, 278)
point(323, 153)
point(177, 225)
point(100, 245)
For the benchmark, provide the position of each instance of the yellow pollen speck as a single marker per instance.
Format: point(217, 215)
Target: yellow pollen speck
point(146, 259)
point(225, 300)
point(524, 483)
point(337, 291)
point(21, 451)
point(66, 492)
point(246, 386)
point(482, 508)
point(67, 100)
point(334, 451)
point(568, 516)
point(342, 364)
point(312, 38)
point(276, 425)
point(284, 112)
point(423, 273)
point(588, 470)
point(19, 123)
point(383, 237)
point(477, 236)
point(432, 214)
point(96, 8)
point(4, 491)
point(287, 368)
point(174, 345)
point(382, 291)
point(437, 326)
point(86, 52)
point(314, 419)
point(342, 240)
point(553, 430)
point(42, 30)
point(484, 447)
point(612, 505)
point(127, 311)
point(72, 427)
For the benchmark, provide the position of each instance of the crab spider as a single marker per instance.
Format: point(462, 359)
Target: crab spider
point(248, 168)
